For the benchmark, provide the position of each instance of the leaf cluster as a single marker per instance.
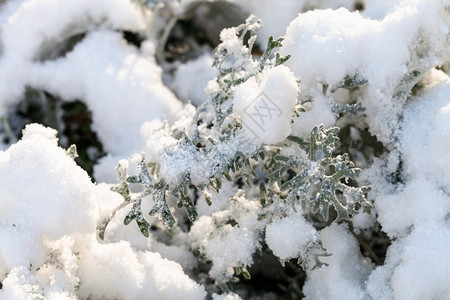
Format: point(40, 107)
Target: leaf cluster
point(321, 180)
point(236, 65)
point(312, 176)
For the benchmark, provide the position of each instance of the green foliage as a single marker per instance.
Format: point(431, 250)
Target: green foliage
point(157, 189)
point(352, 109)
point(310, 174)
point(321, 180)
point(241, 270)
point(236, 67)
point(123, 189)
point(271, 45)
point(229, 163)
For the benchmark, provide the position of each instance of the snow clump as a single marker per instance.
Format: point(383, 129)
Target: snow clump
point(343, 43)
point(49, 247)
point(265, 105)
point(290, 237)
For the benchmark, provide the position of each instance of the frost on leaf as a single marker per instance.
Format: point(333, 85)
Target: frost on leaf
point(213, 148)
point(236, 64)
point(149, 187)
point(322, 180)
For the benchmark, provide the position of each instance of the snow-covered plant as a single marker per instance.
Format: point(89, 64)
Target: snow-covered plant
point(214, 143)
point(320, 179)
point(271, 176)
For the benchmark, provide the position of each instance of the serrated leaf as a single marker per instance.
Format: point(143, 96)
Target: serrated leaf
point(191, 212)
point(262, 155)
point(206, 195)
point(322, 141)
point(167, 218)
point(279, 60)
point(277, 175)
point(160, 207)
point(180, 203)
point(227, 176)
point(213, 185)
point(143, 226)
point(350, 82)
point(303, 145)
point(218, 183)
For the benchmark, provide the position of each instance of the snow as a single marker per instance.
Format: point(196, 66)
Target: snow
point(431, 262)
point(379, 283)
point(276, 16)
point(342, 44)
point(344, 277)
point(228, 296)
point(290, 237)
point(417, 266)
point(49, 246)
point(35, 28)
point(417, 213)
point(228, 246)
point(120, 67)
point(265, 105)
point(143, 274)
point(20, 285)
point(191, 78)
point(47, 254)
point(425, 131)
point(115, 80)
point(420, 201)
point(220, 201)
point(177, 158)
point(67, 189)
point(318, 112)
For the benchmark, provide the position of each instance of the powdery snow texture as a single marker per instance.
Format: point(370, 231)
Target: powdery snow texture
point(266, 104)
point(48, 228)
point(290, 237)
point(121, 85)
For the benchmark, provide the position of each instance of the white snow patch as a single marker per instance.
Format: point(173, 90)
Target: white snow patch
point(191, 78)
point(40, 185)
point(347, 271)
point(416, 267)
point(122, 88)
point(49, 247)
point(276, 15)
point(266, 105)
point(420, 200)
point(291, 236)
point(228, 246)
point(425, 133)
point(329, 45)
